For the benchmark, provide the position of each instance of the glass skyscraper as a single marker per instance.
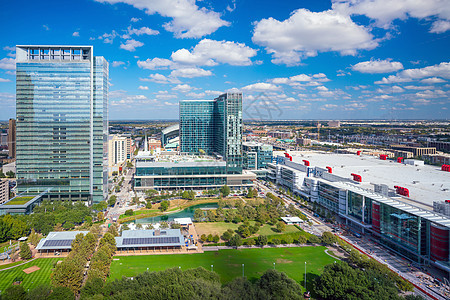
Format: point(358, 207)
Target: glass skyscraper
point(62, 122)
point(214, 126)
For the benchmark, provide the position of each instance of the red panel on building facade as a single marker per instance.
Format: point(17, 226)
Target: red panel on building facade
point(439, 243)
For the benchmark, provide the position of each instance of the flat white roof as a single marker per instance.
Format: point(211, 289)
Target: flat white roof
point(425, 183)
point(183, 221)
point(292, 219)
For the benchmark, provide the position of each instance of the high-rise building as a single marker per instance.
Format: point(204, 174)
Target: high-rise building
point(119, 151)
point(12, 138)
point(4, 190)
point(62, 122)
point(214, 127)
point(256, 155)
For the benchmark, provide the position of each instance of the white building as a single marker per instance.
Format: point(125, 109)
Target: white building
point(119, 151)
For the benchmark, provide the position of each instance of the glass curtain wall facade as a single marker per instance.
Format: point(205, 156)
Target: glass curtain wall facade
point(62, 122)
point(214, 126)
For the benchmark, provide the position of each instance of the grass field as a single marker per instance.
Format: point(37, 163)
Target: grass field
point(220, 227)
point(10, 265)
point(31, 280)
point(228, 263)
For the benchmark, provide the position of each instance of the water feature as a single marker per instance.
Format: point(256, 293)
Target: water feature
point(185, 213)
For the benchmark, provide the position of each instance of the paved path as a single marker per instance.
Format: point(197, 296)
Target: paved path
point(18, 264)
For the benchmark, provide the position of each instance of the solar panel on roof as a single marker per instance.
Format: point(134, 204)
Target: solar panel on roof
point(57, 243)
point(151, 240)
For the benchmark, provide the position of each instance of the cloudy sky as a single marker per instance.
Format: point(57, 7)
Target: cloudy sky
point(303, 59)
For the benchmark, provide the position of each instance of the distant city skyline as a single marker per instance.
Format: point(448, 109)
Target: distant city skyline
point(306, 60)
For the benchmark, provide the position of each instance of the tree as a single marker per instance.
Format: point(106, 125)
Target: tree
point(61, 292)
point(261, 240)
point(235, 241)
point(41, 292)
point(15, 292)
point(328, 238)
point(250, 193)
point(203, 237)
point(2, 175)
point(226, 236)
point(164, 225)
point(129, 212)
point(216, 238)
point(302, 239)
point(164, 205)
point(100, 216)
point(138, 226)
point(225, 190)
point(175, 226)
point(198, 215)
point(112, 200)
point(209, 238)
point(281, 226)
point(276, 241)
point(10, 174)
point(148, 205)
point(25, 252)
point(313, 239)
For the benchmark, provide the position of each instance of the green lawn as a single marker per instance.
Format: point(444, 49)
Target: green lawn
point(228, 263)
point(31, 280)
point(19, 200)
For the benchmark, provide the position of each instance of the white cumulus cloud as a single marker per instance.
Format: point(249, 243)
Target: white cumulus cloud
point(209, 52)
point(386, 11)
point(378, 66)
point(441, 70)
point(188, 20)
point(131, 45)
point(155, 63)
point(261, 87)
point(141, 87)
point(306, 33)
point(190, 72)
point(117, 63)
point(184, 88)
point(8, 63)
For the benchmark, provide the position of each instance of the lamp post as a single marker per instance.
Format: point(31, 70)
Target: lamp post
point(242, 270)
point(305, 275)
point(212, 268)
point(274, 266)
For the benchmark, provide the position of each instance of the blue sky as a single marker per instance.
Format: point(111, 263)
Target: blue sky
point(340, 59)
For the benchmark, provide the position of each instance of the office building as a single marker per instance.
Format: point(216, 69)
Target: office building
point(12, 138)
point(3, 139)
point(213, 127)
point(4, 190)
point(256, 155)
point(62, 122)
point(391, 202)
point(417, 151)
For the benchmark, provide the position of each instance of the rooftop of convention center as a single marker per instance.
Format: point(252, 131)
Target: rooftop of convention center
point(426, 183)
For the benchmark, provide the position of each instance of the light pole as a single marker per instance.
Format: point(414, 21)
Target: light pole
point(212, 268)
point(274, 266)
point(305, 276)
point(242, 270)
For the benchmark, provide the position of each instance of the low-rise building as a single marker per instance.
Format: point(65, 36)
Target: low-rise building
point(417, 151)
point(150, 239)
point(187, 175)
point(303, 142)
point(60, 241)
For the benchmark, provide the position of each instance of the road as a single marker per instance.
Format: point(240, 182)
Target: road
point(124, 196)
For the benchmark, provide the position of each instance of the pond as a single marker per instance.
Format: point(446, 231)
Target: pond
point(185, 213)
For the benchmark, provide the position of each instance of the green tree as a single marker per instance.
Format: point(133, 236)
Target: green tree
point(112, 200)
point(328, 238)
point(14, 292)
point(235, 241)
point(2, 175)
point(164, 205)
point(216, 238)
point(225, 190)
point(250, 193)
point(41, 292)
point(313, 239)
point(25, 252)
point(164, 225)
point(129, 212)
point(61, 292)
point(10, 174)
point(261, 240)
point(281, 226)
point(302, 239)
point(100, 216)
point(148, 205)
point(226, 236)
point(198, 215)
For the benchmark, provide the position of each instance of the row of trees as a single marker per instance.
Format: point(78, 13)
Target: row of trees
point(102, 258)
point(342, 281)
point(70, 272)
point(195, 284)
point(9, 174)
